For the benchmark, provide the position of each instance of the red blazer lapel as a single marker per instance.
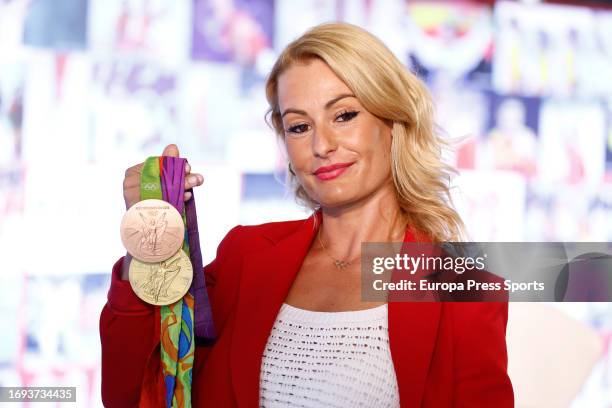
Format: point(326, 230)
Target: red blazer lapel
point(413, 328)
point(266, 279)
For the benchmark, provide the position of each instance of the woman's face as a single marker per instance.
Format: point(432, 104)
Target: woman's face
point(340, 152)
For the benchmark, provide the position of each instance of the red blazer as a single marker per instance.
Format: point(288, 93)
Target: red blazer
point(444, 354)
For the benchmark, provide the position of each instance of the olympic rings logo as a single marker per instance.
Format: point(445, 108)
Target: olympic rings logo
point(149, 186)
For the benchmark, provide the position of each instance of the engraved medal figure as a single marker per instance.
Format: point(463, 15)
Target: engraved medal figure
point(162, 283)
point(152, 230)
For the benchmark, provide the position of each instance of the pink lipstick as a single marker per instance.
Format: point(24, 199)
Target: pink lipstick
point(331, 172)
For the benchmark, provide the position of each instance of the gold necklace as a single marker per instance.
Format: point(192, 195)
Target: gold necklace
point(338, 263)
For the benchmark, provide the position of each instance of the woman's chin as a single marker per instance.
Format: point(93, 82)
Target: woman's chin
point(337, 202)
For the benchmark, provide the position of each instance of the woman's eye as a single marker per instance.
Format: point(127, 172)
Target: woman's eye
point(346, 116)
point(298, 128)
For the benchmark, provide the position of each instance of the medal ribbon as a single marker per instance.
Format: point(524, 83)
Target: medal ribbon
point(204, 325)
point(173, 188)
point(164, 178)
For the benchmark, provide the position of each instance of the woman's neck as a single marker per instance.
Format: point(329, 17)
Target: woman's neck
point(378, 218)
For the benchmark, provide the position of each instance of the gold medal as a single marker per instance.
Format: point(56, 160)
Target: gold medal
point(162, 283)
point(152, 230)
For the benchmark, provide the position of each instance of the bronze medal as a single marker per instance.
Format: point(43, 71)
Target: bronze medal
point(162, 283)
point(152, 230)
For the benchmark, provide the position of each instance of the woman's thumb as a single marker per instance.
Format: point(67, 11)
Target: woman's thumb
point(171, 150)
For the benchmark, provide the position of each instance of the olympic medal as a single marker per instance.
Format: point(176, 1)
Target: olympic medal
point(152, 230)
point(162, 283)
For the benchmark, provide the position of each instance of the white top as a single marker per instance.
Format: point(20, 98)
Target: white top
point(328, 359)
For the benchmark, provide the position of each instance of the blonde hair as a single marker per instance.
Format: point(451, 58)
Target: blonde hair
point(390, 91)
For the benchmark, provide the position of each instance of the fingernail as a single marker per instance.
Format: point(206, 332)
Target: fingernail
point(192, 179)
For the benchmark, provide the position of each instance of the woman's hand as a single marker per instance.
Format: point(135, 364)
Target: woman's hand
point(131, 182)
point(131, 191)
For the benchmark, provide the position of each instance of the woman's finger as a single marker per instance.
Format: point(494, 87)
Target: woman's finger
point(187, 195)
point(135, 169)
point(193, 180)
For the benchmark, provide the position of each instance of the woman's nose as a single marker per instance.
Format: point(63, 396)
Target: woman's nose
point(323, 142)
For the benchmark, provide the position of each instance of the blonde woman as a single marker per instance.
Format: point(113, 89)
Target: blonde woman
point(286, 297)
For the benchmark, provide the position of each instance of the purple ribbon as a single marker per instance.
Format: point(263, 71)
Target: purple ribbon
point(204, 325)
point(173, 181)
point(173, 189)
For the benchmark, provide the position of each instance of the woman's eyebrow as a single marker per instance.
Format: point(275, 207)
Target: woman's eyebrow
point(328, 104)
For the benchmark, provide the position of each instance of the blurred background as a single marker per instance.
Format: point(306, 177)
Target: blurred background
point(89, 88)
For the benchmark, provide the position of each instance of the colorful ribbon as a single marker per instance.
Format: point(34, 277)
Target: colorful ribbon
point(164, 178)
